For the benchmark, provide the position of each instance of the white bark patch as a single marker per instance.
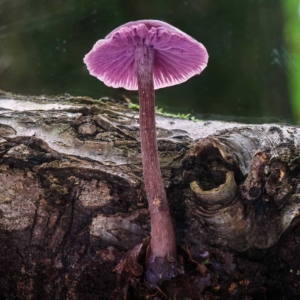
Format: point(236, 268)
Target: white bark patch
point(18, 105)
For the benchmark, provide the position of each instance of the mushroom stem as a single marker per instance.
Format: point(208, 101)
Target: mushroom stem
point(163, 242)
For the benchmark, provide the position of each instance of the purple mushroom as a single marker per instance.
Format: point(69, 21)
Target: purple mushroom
point(147, 55)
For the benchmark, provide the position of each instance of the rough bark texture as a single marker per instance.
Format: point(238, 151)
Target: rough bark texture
point(72, 201)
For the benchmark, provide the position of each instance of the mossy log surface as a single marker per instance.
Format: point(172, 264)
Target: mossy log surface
point(72, 199)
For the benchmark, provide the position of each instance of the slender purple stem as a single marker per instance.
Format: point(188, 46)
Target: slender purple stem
point(163, 242)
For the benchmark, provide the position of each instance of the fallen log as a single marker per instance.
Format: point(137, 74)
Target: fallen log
point(72, 199)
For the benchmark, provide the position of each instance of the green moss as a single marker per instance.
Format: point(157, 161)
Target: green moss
point(179, 116)
point(133, 106)
point(161, 112)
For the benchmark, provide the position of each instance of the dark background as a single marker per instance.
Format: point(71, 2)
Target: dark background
point(42, 45)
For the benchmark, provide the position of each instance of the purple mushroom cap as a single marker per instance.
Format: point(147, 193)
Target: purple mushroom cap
point(177, 55)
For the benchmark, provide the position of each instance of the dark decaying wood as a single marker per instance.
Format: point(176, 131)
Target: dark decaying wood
point(72, 202)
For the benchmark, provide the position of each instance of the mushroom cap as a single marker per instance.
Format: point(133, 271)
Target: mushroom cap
point(177, 56)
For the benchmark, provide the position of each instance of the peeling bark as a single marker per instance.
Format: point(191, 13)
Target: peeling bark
point(72, 199)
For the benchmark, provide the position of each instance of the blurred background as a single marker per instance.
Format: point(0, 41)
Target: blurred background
point(253, 73)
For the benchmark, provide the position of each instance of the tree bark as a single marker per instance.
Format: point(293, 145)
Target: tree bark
point(72, 198)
